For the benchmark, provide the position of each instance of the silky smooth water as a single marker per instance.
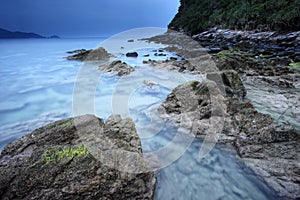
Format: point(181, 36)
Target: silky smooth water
point(37, 85)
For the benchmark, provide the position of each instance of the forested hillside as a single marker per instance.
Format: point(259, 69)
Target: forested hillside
point(195, 16)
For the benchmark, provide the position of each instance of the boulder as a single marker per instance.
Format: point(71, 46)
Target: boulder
point(99, 54)
point(77, 158)
point(132, 54)
point(117, 67)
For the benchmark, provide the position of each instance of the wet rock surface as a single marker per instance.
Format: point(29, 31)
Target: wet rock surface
point(67, 160)
point(268, 142)
point(99, 54)
point(117, 67)
point(271, 151)
point(275, 45)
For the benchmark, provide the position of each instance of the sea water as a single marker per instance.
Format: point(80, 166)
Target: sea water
point(37, 87)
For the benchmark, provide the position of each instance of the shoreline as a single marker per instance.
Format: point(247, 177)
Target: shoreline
point(259, 144)
point(260, 155)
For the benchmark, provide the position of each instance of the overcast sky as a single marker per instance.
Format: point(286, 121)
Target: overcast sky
point(73, 18)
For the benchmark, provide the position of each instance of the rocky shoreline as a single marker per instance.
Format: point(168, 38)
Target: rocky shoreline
point(61, 160)
point(270, 149)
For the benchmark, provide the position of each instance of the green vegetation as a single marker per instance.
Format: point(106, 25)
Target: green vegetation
point(64, 153)
point(67, 124)
point(195, 16)
point(295, 65)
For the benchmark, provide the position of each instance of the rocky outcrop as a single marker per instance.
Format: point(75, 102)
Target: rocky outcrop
point(117, 67)
point(271, 151)
point(230, 81)
point(99, 54)
point(221, 109)
point(262, 48)
point(77, 158)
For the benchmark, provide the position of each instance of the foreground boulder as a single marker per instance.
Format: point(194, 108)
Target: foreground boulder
point(69, 159)
point(99, 54)
point(271, 151)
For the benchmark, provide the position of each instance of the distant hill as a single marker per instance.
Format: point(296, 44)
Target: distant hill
point(9, 34)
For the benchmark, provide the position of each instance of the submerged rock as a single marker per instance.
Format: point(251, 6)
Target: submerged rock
point(117, 67)
point(77, 158)
point(89, 55)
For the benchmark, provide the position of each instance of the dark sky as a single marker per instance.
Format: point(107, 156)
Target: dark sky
point(73, 18)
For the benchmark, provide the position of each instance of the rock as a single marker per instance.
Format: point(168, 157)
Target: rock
point(78, 51)
point(132, 54)
point(159, 54)
point(272, 152)
point(130, 40)
point(224, 116)
point(230, 81)
point(191, 104)
point(172, 64)
point(89, 55)
point(67, 160)
point(251, 65)
point(173, 58)
point(214, 50)
point(149, 83)
point(117, 67)
point(271, 40)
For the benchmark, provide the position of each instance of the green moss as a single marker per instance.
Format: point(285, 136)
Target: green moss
point(222, 56)
point(265, 56)
point(67, 124)
point(49, 126)
point(57, 154)
point(295, 65)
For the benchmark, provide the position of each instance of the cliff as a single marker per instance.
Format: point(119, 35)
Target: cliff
point(195, 16)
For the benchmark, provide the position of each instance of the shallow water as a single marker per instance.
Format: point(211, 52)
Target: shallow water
point(37, 86)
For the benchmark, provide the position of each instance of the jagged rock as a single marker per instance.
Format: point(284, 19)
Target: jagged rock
point(191, 104)
point(269, 40)
point(89, 55)
point(172, 64)
point(230, 80)
point(117, 67)
point(132, 54)
point(77, 158)
point(272, 152)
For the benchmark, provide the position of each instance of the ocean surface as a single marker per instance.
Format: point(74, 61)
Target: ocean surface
point(39, 86)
